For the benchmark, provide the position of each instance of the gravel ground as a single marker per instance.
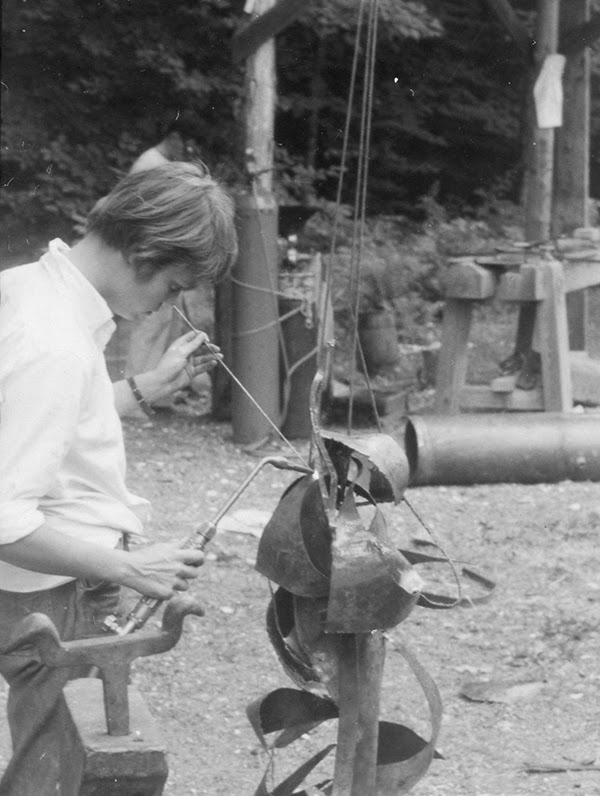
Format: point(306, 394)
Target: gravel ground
point(539, 543)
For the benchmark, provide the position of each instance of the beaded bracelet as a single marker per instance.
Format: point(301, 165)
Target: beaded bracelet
point(145, 407)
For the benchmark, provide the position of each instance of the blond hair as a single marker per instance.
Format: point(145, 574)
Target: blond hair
point(173, 214)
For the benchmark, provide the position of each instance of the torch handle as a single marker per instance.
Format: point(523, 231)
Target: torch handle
point(147, 606)
point(199, 539)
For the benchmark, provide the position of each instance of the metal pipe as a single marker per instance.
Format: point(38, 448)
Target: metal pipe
point(523, 448)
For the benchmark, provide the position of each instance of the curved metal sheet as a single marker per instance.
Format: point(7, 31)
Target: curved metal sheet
point(290, 551)
point(373, 586)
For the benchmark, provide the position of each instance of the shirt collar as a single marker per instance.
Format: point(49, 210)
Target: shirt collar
point(95, 313)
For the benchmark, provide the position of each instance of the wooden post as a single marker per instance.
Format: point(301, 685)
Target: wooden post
point(540, 166)
point(572, 162)
point(255, 336)
point(554, 343)
point(451, 372)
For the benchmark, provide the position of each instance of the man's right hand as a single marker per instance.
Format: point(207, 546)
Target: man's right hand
point(160, 570)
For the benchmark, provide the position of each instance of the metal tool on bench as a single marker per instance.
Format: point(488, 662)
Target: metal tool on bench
point(198, 540)
point(108, 657)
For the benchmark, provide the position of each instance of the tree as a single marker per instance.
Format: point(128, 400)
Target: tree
point(88, 85)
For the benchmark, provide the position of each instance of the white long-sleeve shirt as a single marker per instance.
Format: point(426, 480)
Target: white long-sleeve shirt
point(62, 458)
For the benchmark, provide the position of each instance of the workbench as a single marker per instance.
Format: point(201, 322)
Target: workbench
point(538, 279)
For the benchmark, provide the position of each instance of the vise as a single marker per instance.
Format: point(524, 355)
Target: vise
point(118, 749)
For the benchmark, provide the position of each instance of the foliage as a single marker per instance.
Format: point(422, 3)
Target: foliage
point(402, 263)
point(88, 85)
point(446, 108)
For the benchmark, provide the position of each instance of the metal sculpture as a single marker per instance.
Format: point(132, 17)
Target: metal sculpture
point(342, 584)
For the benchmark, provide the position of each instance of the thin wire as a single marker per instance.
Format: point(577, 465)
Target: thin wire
point(245, 391)
point(316, 441)
point(360, 207)
point(321, 355)
point(436, 542)
point(257, 288)
point(286, 316)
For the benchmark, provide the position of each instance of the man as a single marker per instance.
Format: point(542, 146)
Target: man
point(65, 511)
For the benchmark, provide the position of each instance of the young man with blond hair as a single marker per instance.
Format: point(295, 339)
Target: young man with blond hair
point(65, 511)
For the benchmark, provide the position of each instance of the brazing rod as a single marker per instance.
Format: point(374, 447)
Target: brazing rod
point(147, 606)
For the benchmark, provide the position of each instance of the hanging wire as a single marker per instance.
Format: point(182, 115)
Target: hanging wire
point(360, 205)
point(417, 515)
point(329, 490)
point(340, 185)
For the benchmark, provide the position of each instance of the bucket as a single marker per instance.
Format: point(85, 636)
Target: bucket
point(379, 340)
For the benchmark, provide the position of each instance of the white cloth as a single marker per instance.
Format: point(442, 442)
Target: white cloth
point(148, 160)
point(548, 92)
point(62, 457)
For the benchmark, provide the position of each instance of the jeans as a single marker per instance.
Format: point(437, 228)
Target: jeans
point(37, 712)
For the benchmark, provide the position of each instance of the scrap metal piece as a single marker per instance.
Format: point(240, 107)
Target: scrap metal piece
point(381, 462)
point(373, 586)
point(294, 549)
point(293, 653)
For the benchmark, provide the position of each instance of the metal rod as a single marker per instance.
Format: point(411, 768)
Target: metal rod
point(147, 606)
point(245, 391)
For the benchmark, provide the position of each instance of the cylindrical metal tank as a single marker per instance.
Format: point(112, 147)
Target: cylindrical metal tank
point(255, 338)
point(524, 448)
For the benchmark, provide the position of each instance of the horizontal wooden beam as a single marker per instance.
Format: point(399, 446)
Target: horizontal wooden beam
point(252, 36)
point(469, 281)
point(482, 397)
point(521, 286)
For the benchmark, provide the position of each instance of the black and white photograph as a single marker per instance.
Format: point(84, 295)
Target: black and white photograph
point(300, 398)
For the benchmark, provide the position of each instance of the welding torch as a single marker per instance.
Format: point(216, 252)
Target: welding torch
point(198, 540)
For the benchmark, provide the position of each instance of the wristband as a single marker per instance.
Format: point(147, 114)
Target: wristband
point(145, 407)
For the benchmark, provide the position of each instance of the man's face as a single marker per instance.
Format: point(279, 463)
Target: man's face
point(139, 296)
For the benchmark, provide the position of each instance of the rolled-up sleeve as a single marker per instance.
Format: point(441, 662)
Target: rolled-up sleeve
point(40, 403)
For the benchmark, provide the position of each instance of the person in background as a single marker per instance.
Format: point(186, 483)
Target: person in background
point(150, 337)
point(179, 143)
point(65, 511)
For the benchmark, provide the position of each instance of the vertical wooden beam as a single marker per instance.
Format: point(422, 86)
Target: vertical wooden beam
point(554, 343)
point(540, 166)
point(255, 336)
point(452, 364)
point(572, 161)
point(572, 166)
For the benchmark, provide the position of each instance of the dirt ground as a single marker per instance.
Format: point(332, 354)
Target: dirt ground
point(541, 628)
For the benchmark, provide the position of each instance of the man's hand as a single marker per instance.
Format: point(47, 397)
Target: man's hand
point(186, 358)
point(159, 570)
